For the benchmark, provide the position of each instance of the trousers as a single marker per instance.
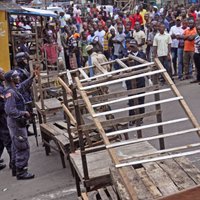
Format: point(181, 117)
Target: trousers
point(20, 146)
point(197, 64)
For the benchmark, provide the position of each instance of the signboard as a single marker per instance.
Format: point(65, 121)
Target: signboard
point(4, 48)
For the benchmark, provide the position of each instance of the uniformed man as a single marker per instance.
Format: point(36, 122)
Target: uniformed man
point(16, 120)
point(24, 73)
point(5, 140)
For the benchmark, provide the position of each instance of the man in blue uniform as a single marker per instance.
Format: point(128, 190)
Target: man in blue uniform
point(24, 73)
point(5, 140)
point(16, 120)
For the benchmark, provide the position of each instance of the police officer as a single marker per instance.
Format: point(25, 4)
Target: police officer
point(5, 140)
point(16, 120)
point(24, 73)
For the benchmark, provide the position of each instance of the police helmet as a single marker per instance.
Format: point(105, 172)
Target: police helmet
point(11, 74)
point(21, 56)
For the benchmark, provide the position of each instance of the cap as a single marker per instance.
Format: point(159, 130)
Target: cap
point(89, 47)
point(178, 18)
point(10, 74)
point(133, 43)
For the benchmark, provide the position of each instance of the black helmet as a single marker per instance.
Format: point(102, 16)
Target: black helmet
point(21, 56)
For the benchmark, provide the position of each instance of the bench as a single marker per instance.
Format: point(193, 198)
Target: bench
point(57, 132)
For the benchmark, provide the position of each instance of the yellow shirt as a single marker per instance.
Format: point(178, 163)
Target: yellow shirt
point(142, 13)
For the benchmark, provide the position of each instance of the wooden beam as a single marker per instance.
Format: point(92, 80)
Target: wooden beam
point(71, 117)
point(137, 162)
point(177, 93)
point(117, 121)
point(123, 65)
point(83, 73)
point(131, 97)
point(170, 150)
point(123, 79)
point(117, 144)
point(146, 126)
point(68, 90)
point(188, 194)
point(119, 70)
point(138, 106)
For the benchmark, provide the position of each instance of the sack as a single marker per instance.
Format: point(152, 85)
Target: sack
point(21, 122)
point(20, 142)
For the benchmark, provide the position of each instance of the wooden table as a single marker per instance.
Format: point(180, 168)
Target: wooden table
point(159, 179)
point(100, 162)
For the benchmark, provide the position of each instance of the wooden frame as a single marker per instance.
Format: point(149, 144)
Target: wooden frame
point(82, 90)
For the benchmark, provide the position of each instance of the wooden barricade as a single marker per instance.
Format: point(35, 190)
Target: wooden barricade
point(133, 156)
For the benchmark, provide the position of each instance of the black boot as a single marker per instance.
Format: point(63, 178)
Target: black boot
point(13, 167)
point(23, 174)
point(2, 166)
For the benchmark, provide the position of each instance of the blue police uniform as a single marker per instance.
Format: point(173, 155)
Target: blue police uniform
point(15, 110)
point(5, 140)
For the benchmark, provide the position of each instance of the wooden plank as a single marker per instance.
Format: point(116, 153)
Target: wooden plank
point(131, 97)
point(138, 106)
point(189, 194)
point(153, 138)
point(177, 93)
point(176, 173)
point(123, 65)
point(83, 74)
point(117, 71)
point(111, 193)
point(160, 179)
point(69, 114)
point(113, 122)
point(177, 155)
point(148, 183)
point(134, 181)
point(102, 194)
point(68, 90)
point(84, 196)
point(92, 195)
point(100, 68)
point(122, 79)
point(146, 127)
point(189, 168)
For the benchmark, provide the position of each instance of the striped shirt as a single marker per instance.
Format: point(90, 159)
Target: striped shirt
point(105, 41)
point(197, 44)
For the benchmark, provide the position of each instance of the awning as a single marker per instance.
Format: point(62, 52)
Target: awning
point(32, 11)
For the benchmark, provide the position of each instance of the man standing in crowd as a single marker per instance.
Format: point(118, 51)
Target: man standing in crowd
point(197, 54)
point(174, 31)
point(16, 119)
point(188, 54)
point(162, 48)
point(137, 83)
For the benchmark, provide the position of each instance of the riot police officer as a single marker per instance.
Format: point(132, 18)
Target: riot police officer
point(16, 120)
point(24, 73)
point(5, 140)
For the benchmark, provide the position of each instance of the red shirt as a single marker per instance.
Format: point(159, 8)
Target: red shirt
point(193, 14)
point(136, 18)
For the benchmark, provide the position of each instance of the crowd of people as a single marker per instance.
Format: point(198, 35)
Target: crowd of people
point(171, 34)
point(96, 35)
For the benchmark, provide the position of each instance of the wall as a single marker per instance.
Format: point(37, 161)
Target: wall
point(4, 49)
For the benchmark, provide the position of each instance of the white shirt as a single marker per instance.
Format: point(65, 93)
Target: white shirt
point(161, 41)
point(175, 31)
point(62, 21)
point(100, 35)
point(139, 36)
